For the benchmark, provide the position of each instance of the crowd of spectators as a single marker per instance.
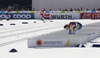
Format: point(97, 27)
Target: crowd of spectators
point(23, 9)
point(70, 9)
point(77, 9)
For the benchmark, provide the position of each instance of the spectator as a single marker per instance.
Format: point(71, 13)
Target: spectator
point(28, 9)
point(2, 9)
point(81, 9)
point(33, 9)
point(37, 10)
point(87, 9)
point(10, 10)
point(66, 9)
point(98, 9)
point(70, 9)
point(59, 9)
point(7, 10)
point(50, 10)
point(23, 9)
point(75, 9)
point(44, 9)
point(93, 10)
point(7, 16)
point(78, 9)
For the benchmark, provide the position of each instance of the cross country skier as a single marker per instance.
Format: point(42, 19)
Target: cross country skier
point(73, 27)
point(7, 16)
point(42, 14)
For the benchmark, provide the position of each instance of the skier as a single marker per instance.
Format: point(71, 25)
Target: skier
point(73, 27)
point(42, 14)
point(7, 17)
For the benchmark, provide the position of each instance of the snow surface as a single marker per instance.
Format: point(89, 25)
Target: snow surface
point(15, 36)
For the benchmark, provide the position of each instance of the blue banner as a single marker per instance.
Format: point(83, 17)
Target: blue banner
point(47, 11)
point(2, 12)
point(17, 16)
point(93, 12)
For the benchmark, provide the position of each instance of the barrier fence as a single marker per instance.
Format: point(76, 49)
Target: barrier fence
point(51, 15)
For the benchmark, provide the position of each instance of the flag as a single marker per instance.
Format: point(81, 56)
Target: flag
point(78, 11)
point(62, 11)
point(47, 15)
point(2, 12)
point(47, 11)
point(17, 12)
point(93, 11)
point(32, 11)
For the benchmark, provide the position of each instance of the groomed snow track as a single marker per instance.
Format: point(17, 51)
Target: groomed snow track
point(86, 34)
point(21, 32)
point(10, 34)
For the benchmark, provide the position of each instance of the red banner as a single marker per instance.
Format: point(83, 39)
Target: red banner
point(90, 15)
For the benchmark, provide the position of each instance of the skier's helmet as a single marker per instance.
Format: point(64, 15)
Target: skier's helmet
point(66, 26)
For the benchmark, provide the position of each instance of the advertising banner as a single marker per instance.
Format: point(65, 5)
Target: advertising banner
point(65, 15)
point(17, 15)
point(90, 15)
point(48, 42)
point(50, 15)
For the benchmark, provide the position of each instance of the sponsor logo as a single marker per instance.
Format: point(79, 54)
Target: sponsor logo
point(21, 16)
point(90, 15)
point(52, 42)
point(4, 16)
point(61, 16)
point(39, 42)
point(16, 16)
point(67, 44)
point(47, 15)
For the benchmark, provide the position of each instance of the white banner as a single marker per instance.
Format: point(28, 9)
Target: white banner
point(70, 15)
point(37, 15)
point(48, 42)
point(57, 15)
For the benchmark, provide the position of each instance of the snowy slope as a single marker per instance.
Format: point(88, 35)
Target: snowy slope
point(16, 37)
